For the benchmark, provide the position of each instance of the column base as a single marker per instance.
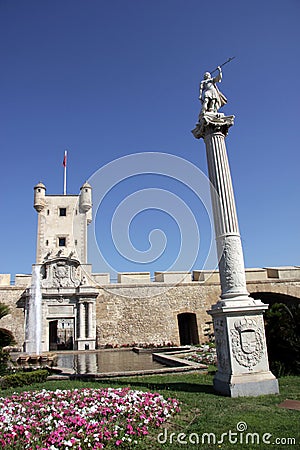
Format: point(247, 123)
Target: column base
point(238, 303)
point(243, 368)
point(246, 385)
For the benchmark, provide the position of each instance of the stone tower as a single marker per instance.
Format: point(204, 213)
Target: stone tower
point(62, 223)
point(67, 305)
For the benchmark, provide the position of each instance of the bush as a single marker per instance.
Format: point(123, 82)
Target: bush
point(283, 338)
point(6, 339)
point(4, 358)
point(23, 378)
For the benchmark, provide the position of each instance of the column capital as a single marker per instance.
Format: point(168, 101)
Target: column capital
point(211, 123)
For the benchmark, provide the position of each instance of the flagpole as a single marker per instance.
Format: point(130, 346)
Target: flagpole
point(65, 173)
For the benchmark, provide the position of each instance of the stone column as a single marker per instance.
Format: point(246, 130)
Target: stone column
point(87, 322)
point(90, 319)
point(243, 368)
point(82, 320)
point(229, 247)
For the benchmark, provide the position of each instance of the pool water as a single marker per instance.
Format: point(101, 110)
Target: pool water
point(104, 361)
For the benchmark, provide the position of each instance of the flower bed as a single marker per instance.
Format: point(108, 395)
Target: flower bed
point(81, 418)
point(205, 354)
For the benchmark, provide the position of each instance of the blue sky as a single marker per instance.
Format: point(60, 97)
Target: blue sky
point(106, 79)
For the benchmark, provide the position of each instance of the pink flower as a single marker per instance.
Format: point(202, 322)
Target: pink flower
point(81, 417)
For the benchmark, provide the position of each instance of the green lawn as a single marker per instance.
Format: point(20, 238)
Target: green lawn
point(202, 411)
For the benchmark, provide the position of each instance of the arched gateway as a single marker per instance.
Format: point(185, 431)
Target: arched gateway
point(188, 329)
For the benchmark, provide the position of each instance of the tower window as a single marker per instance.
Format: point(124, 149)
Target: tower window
point(62, 212)
point(75, 241)
point(47, 242)
point(48, 212)
point(62, 242)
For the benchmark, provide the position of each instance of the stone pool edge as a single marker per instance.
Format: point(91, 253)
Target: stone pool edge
point(176, 365)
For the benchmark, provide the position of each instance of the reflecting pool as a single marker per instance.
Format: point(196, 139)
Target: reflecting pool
point(104, 361)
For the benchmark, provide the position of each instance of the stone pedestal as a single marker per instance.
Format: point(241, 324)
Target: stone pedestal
point(243, 368)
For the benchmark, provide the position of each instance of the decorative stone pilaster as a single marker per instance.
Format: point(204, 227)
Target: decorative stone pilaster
point(243, 368)
point(90, 319)
point(82, 320)
point(87, 319)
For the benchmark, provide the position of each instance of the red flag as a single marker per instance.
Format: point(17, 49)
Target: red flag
point(65, 160)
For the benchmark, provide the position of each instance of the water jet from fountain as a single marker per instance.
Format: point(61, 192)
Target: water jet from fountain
point(34, 314)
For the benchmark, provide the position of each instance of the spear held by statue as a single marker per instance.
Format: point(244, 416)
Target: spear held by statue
point(226, 62)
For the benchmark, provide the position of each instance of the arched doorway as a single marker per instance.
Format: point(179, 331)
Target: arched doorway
point(61, 334)
point(53, 335)
point(188, 329)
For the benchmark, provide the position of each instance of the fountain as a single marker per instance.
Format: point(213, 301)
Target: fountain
point(34, 316)
point(33, 357)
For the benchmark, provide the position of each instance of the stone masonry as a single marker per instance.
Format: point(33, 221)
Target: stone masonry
point(148, 312)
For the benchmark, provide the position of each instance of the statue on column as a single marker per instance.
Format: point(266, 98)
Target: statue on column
point(210, 96)
point(212, 100)
point(243, 368)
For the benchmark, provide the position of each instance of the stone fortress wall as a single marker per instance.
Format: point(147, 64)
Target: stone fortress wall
point(138, 310)
point(95, 312)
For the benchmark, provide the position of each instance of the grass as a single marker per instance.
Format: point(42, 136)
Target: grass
point(202, 411)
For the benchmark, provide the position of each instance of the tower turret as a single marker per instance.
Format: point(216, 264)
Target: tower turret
point(39, 196)
point(85, 201)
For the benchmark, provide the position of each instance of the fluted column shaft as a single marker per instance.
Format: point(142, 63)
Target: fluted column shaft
point(229, 247)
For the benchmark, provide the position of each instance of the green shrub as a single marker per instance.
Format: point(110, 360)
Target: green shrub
point(283, 338)
point(23, 378)
point(4, 358)
point(6, 339)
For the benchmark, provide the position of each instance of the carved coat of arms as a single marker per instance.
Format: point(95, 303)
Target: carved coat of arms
point(247, 342)
point(61, 273)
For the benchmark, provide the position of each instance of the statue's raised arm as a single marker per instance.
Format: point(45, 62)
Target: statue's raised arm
point(210, 96)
